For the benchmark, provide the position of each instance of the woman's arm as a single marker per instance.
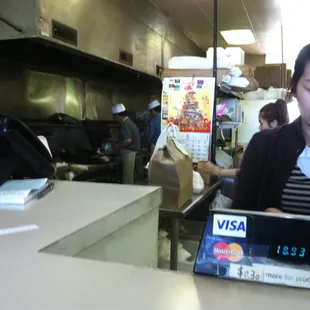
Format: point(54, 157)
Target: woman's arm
point(228, 173)
point(220, 172)
point(274, 210)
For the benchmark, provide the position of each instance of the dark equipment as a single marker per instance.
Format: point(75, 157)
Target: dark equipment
point(22, 155)
point(66, 136)
point(88, 143)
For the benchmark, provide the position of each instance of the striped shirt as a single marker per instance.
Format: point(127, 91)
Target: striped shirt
point(296, 193)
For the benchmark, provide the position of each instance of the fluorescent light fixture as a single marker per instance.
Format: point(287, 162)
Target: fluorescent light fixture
point(238, 37)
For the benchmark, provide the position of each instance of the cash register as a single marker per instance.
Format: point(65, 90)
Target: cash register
point(22, 154)
point(256, 246)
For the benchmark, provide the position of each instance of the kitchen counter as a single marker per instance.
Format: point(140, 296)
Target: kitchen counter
point(32, 279)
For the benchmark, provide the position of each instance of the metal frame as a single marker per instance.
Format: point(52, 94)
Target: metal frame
point(215, 30)
point(175, 215)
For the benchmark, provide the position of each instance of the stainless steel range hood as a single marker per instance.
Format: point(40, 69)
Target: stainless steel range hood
point(88, 27)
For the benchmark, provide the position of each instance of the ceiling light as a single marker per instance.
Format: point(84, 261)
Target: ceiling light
point(238, 37)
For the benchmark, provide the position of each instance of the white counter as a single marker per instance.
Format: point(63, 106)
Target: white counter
point(33, 280)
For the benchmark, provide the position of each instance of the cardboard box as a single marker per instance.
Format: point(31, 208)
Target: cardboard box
point(167, 73)
point(288, 77)
point(236, 54)
point(247, 70)
point(274, 75)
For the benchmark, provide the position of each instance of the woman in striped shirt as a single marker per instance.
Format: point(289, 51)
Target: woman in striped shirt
point(275, 171)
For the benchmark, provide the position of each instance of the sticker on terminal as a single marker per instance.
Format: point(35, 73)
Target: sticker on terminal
point(232, 252)
point(229, 225)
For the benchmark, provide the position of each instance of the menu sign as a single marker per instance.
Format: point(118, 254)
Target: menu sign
point(188, 103)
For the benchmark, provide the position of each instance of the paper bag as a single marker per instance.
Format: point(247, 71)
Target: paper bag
point(172, 170)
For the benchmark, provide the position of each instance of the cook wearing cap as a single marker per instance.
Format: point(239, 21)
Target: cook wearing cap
point(129, 142)
point(155, 123)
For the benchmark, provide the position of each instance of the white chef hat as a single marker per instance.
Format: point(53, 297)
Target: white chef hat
point(154, 104)
point(118, 108)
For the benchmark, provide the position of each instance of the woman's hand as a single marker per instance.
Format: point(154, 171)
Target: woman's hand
point(273, 210)
point(212, 169)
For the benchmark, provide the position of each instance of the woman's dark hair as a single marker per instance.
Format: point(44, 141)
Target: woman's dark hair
point(275, 112)
point(302, 59)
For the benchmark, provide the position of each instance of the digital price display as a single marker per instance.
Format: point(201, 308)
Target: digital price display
point(256, 247)
point(289, 253)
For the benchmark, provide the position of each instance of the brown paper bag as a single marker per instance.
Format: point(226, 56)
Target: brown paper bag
point(207, 178)
point(173, 170)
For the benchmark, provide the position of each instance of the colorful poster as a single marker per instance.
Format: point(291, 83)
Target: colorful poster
point(188, 103)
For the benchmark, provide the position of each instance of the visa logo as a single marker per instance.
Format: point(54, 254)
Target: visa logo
point(229, 225)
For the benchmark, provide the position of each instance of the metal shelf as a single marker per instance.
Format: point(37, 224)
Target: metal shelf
point(227, 125)
point(225, 93)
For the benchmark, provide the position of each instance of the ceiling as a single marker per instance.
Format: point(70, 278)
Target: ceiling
point(263, 17)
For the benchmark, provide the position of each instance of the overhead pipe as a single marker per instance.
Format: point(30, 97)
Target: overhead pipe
point(282, 57)
point(215, 31)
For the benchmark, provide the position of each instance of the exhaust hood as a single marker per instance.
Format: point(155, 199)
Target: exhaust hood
point(89, 29)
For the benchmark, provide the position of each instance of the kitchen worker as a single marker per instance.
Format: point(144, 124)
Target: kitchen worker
point(275, 171)
point(155, 123)
point(270, 116)
point(129, 142)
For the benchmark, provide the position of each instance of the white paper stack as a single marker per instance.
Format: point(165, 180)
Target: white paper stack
point(19, 192)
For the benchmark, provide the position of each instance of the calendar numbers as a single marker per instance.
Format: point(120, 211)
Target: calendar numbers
point(198, 144)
